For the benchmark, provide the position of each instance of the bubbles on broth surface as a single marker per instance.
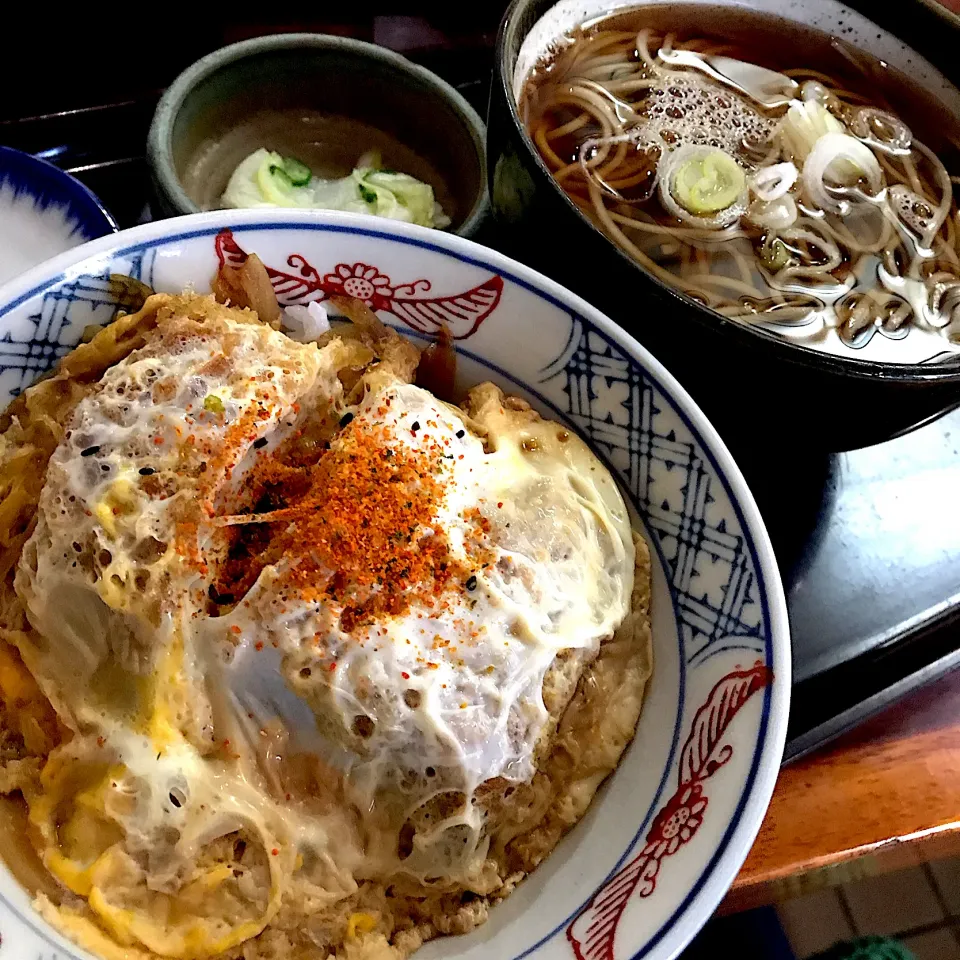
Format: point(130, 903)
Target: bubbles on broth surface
point(842, 230)
point(685, 109)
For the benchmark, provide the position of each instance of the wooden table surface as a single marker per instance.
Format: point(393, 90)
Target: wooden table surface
point(885, 796)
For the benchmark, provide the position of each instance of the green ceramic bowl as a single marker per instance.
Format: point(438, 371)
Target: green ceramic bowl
point(325, 100)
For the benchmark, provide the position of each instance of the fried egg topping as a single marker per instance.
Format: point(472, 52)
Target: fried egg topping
point(281, 593)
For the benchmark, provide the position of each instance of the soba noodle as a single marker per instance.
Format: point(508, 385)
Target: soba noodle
point(844, 225)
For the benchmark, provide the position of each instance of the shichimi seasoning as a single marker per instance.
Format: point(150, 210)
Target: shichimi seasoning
point(364, 534)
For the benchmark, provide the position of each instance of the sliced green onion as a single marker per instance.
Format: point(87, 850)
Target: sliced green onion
point(775, 255)
point(368, 195)
point(297, 174)
point(708, 183)
point(213, 403)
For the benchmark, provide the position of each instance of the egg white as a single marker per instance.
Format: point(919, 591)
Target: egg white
point(182, 702)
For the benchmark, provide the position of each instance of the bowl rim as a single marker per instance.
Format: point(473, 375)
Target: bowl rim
point(755, 337)
point(160, 134)
point(93, 218)
point(744, 824)
point(949, 16)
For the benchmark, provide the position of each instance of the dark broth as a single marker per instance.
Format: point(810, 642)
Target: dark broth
point(839, 305)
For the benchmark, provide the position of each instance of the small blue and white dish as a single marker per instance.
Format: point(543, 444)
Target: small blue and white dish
point(43, 212)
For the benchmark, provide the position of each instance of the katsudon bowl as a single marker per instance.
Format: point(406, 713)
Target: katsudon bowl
point(669, 829)
point(831, 399)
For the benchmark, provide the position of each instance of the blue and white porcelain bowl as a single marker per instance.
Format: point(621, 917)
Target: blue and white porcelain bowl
point(667, 834)
point(43, 212)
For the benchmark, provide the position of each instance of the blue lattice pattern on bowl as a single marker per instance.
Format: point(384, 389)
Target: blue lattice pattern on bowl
point(712, 574)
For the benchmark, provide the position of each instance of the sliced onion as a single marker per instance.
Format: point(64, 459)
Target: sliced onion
point(775, 214)
point(248, 285)
point(769, 183)
point(868, 124)
point(804, 124)
point(827, 159)
point(437, 370)
point(359, 314)
point(305, 322)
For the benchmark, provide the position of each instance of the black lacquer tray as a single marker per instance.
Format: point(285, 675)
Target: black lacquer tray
point(868, 541)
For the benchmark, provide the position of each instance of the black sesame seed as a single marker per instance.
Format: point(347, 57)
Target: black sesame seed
point(461, 434)
point(345, 419)
point(174, 800)
point(262, 442)
point(89, 452)
point(147, 471)
point(415, 427)
point(105, 467)
point(471, 583)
